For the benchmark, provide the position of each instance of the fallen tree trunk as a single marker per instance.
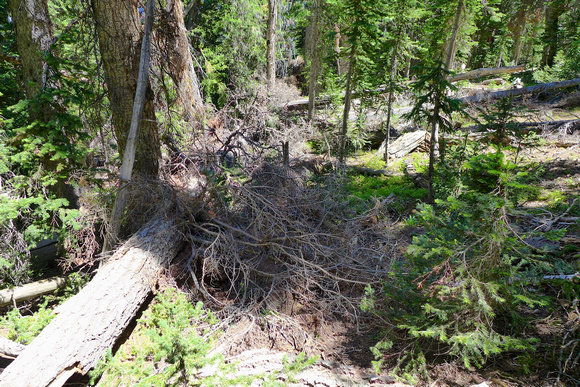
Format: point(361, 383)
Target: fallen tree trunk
point(529, 126)
point(9, 348)
point(485, 72)
point(91, 322)
point(34, 289)
point(407, 143)
point(482, 97)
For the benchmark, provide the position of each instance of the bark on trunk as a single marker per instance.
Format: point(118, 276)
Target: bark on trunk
point(10, 348)
point(517, 32)
point(543, 87)
point(385, 145)
point(485, 72)
point(130, 148)
point(33, 38)
point(178, 60)
point(314, 60)
point(90, 322)
point(347, 97)
point(34, 289)
point(452, 44)
point(119, 31)
point(553, 13)
point(271, 44)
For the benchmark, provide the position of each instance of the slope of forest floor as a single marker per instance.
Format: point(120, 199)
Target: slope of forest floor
point(285, 314)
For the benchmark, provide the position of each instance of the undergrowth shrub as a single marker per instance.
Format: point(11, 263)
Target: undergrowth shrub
point(468, 271)
point(23, 326)
point(172, 343)
point(362, 188)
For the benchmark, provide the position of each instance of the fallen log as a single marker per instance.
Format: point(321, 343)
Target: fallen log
point(33, 289)
point(543, 87)
point(406, 144)
point(9, 348)
point(91, 322)
point(368, 171)
point(528, 126)
point(485, 72)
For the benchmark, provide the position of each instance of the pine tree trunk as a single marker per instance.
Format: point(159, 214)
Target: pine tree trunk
point(385, 144)
point(271, 44)
point(119, 31)
point(432, 146)
point(517, 31)
point(314, 60)
point(553, 13)
point(137, 113)
point(178, 60)
point(347, 98)
point(33, 39)
point(452, 44)
point(91, 322)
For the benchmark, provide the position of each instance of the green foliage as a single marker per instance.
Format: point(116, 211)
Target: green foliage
point(42, 143)
point(23, 329)
point(231, 41)
point(469, 268)
point(174, 340)
point(366, 187)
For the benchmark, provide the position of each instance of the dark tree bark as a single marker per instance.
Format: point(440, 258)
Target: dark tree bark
point(553, 12)
point(314, 58)
point(119, 31)
point(271, 44)
point(33, 39)
point(452, 43)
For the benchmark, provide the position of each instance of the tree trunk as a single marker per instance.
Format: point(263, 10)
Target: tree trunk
point(485, 72)
point(432, 145)
point(271, 44)
point(337, 38)
point(119, 31)
point(543, 87)
point(33, 37)
point(91, 322)
point(190, 14)
point(517, 32)
point(34, 289)
point(129, 155)
point(9, 348)
point(452, 44)
point(347, 97)
point(314, 59)
point(385, 144)
point(551, 33)
point(177, 58)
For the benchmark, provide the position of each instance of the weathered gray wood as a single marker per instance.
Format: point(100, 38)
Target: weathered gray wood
point(485, 72)
point(9, 348)
point(482, 97)
point(34, 289)
point(409, 142)
point(91, 322)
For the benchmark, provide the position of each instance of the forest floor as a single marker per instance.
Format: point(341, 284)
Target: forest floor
point(342, 344)
point(258, 341)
